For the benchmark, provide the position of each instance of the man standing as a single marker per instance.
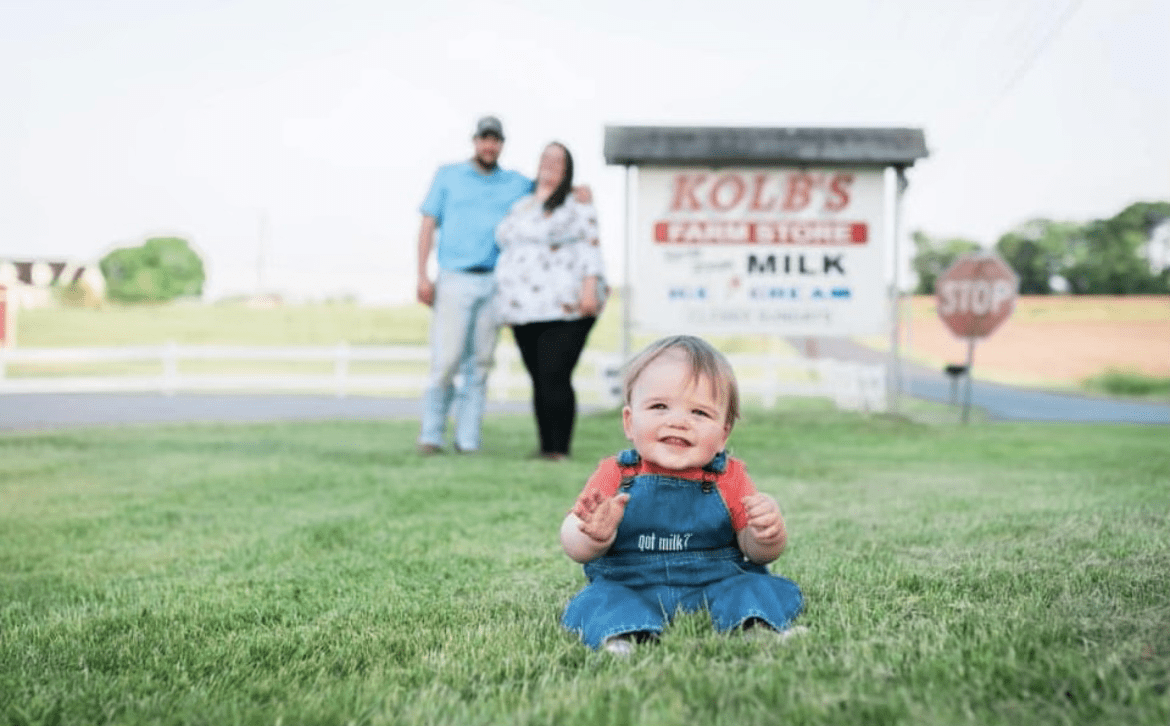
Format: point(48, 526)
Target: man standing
point(465, 203)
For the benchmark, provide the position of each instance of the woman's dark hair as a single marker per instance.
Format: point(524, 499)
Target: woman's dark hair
point(561, 193)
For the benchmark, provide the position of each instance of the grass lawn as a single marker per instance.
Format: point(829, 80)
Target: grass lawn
point(323, 574)
point(308, 324)
point(224, 324)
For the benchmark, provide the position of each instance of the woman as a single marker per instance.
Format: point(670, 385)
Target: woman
point(550, 289)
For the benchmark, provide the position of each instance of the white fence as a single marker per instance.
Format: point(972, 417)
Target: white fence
point(397, 370)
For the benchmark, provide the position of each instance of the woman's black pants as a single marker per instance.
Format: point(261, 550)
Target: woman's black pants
point(550, 349)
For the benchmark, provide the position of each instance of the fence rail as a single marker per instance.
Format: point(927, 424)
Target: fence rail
point(345, 369)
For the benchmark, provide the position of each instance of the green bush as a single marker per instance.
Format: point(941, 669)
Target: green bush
point(1129, 383)
point(77, 294)
point(161, 269)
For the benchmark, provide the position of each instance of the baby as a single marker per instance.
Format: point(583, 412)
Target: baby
point(675, 524)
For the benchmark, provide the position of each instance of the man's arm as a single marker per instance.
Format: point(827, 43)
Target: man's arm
point(583, 193)
point(426, 241)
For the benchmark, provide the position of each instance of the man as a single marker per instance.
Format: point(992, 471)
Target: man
point(465, 203)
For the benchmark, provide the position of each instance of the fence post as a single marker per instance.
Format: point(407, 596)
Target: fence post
point(610, 370)
point(876, 396)
point(341, 367)
point(4, 332)
point(170, 361)
point(771, 376)
point(501, 380)
point(834, 380)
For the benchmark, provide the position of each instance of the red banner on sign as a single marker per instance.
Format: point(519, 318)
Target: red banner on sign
point(796, 232)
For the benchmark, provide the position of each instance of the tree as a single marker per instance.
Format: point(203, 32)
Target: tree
point(1039, 250)
point(932, 258)
point(162, 268)
point(1111, 257)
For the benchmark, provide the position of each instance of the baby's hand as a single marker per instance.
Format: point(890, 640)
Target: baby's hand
point(764, 518)
point(587, 503)
point(601, 522)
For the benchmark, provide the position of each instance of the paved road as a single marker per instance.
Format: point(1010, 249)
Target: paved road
point(35, 411)
point(1000, 402)
point(1006, 403)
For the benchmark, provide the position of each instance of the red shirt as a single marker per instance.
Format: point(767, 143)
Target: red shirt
point(733, 484)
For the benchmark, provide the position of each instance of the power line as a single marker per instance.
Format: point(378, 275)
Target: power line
point(1030, 60)
point(914, 91)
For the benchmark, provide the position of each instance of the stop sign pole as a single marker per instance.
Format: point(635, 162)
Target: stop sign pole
point(973, 297)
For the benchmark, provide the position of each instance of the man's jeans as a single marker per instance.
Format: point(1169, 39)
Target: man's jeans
point(463, 340)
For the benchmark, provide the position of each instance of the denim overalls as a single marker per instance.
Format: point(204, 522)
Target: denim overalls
point(675, 550)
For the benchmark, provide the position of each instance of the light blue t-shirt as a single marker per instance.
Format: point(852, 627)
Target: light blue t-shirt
point(467, 206)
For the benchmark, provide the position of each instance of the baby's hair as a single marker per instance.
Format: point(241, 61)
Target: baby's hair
point(703, 359)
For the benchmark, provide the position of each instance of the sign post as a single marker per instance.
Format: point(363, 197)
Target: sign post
point(973, 297)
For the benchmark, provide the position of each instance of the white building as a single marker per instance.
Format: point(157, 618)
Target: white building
point(30, 283)
point(1157, 248)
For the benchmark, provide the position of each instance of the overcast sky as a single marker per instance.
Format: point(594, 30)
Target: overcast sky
point(298, 138)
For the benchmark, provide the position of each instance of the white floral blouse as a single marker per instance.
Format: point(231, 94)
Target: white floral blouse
point(544, 259)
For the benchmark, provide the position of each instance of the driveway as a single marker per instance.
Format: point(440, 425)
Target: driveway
point(1000, 402)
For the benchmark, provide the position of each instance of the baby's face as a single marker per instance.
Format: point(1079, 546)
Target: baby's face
point(674, 420)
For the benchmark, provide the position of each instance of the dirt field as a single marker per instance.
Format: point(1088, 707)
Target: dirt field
point(1052, 340)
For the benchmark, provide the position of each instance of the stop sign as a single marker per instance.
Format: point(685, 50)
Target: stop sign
point(976, 294)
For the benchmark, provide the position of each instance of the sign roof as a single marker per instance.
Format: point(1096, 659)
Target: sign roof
point(724, 145)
